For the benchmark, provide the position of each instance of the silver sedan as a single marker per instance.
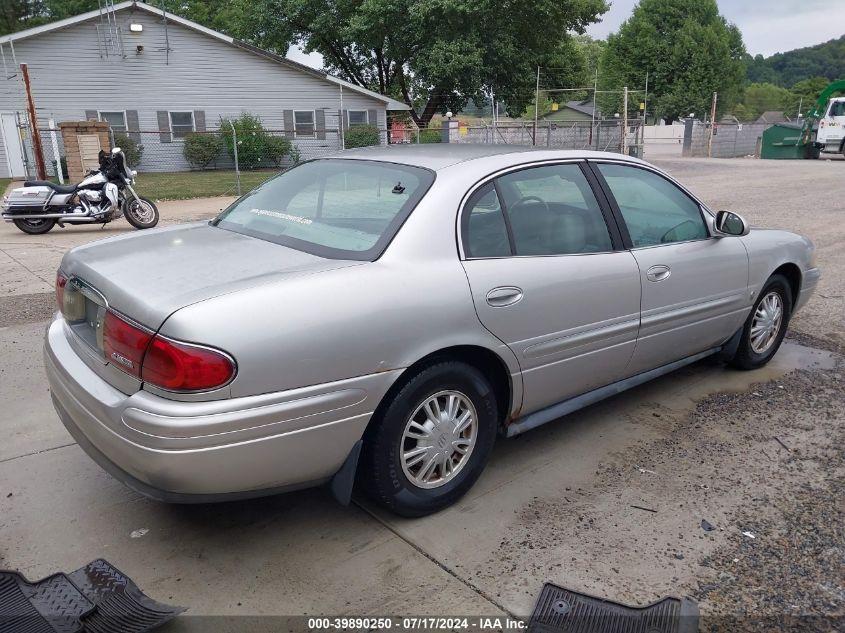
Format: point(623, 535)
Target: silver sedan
point(375, 319)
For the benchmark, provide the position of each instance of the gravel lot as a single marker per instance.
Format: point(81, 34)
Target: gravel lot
point(757, 452)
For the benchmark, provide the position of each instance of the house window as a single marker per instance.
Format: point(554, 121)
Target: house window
point(357, 117)
point(303, 123)
point(116, 120)
point(181, 124)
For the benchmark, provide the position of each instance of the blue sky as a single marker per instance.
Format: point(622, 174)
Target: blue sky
point(768, 26)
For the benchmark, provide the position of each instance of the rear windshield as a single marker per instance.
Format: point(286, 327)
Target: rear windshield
point(335, 208)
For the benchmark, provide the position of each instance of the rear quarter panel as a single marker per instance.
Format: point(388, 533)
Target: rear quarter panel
point(355, 321)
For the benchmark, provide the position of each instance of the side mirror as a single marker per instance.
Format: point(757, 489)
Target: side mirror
point(729, 223)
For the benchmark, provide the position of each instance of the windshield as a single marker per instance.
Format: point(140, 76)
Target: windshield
point(336, 208)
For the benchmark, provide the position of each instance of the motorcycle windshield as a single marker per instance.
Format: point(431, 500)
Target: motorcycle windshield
point(120, 165)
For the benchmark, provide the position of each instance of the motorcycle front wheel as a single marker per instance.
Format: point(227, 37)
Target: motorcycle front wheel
point(141, 213)
point(35, 227)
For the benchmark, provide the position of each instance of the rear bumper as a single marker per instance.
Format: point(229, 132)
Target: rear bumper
point(209, 451)
point(809, 282)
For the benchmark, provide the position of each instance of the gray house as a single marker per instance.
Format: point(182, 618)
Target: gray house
point(573, 111)
point(158, 77)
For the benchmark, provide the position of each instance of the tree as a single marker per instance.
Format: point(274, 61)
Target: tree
point(434, 56)
point(803, 95)
point(17, 15)
point(569, 66)
point(765, 97)
point(786, 69)
point(758, 71)
point(689, 52)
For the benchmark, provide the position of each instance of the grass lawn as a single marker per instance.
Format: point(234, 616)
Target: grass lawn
point(4, 182)
point(181, 185)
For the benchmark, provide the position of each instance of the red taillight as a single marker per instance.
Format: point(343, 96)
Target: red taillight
point(124, 344)
point(182, 367)
point(61, 282)
point(159, 361)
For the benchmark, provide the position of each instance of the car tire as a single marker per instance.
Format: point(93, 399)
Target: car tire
point(754, 351)
point(386, 471)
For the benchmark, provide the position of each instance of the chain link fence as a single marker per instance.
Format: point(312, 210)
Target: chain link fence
point(730, 140)
point(604, 135)
point(173, 165)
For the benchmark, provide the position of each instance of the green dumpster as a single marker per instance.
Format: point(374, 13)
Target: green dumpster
point(783, 141)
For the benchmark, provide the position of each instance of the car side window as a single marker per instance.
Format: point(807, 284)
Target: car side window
point(552, 211)
point(484, 230)
point(655, 210)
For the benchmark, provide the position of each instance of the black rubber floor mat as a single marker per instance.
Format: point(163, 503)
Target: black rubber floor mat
point(97, 598)
point(559, 610)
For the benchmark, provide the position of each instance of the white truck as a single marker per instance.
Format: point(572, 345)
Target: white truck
point(830, 135)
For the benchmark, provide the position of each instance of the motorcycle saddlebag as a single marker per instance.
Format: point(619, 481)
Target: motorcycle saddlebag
point(29, 197)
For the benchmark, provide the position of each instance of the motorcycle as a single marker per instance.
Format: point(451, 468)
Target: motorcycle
point(104, 195)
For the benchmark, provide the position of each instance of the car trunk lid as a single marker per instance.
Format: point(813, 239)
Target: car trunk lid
point(148, 276)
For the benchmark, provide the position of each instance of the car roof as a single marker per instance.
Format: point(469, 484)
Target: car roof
point(437, 156)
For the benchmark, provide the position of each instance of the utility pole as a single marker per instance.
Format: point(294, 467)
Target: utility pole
point(712, 125)
point(339, 121)
point(595, 96)
point(536, 106)
point(624, 139)
point(40, 169)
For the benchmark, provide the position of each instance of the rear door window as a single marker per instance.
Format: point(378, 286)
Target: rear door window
point(552, 211)
point(484, 229)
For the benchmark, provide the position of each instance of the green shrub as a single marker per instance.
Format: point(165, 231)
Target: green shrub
point(295, 155)
point(131, 148)
point(277, 147)
point(361, 136)
point(200, 150)
point(252, 140)
point(431, 136)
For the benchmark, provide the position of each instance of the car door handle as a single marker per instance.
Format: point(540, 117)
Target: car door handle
point(658, 273)
point(504, 296)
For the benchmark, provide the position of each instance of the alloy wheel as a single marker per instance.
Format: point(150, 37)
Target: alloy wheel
point(142, 211)
point(767, 323)
point(438, 439)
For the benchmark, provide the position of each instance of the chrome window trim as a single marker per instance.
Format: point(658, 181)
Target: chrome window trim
point(501, 172)
point(475, 259)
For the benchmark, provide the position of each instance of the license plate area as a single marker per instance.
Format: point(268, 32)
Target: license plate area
point(85, 312)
